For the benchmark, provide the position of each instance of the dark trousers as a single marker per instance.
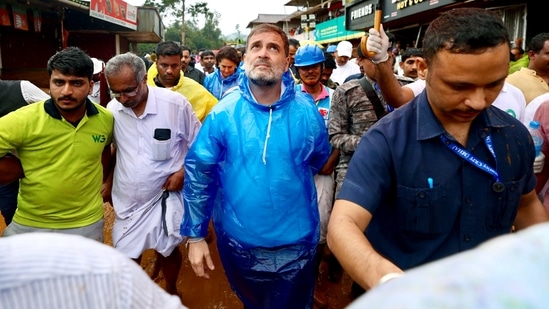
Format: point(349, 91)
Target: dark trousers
point(8, 200)
point(269, 278)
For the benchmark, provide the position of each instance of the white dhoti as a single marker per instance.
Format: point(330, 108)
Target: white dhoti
point(325, 197)
point(147, 227)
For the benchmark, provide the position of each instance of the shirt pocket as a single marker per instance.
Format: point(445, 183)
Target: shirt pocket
point(422, 211)
point(504, 205)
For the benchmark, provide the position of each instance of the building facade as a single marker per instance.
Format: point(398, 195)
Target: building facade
point(32, 31)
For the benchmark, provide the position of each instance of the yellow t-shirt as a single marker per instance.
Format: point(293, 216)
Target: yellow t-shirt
point(62, 164)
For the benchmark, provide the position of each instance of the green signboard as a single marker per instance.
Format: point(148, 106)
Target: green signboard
point(333, 30)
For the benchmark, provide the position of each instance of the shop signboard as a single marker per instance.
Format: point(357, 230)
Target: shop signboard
point(333, 30)
point(115, 11)
point(359, 15)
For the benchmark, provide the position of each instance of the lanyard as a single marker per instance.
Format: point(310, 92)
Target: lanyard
point(469, 157)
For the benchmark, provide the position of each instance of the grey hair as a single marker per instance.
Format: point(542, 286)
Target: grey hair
point(116, 63)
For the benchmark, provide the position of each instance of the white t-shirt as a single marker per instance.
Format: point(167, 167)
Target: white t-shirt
point(416, 86)
point(342, 72)
point(511, 100)
point(532, 107)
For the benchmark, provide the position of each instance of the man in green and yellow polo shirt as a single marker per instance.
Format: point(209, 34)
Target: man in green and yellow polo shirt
point(61, 144)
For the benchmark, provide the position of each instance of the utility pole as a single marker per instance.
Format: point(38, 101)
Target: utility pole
point(238, 41)
point(183, 23)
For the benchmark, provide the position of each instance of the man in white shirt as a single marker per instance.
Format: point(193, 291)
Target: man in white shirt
point(154, 129)
point(98, 65)
point(52, 270)
point(345, 68)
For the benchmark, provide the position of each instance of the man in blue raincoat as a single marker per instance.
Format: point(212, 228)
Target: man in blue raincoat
point(251, 167)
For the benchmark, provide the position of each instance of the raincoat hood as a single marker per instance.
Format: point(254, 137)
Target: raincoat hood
point(220, 87)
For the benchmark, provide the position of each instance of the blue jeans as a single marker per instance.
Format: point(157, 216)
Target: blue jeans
point(8, 200)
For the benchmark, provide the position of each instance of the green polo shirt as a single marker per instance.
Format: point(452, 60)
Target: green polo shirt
point(62, 164)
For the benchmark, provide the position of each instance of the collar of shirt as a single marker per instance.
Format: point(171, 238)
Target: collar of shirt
point(50, 108)
point(323, 94)
point(429, 126)
point(528, 71)
point(159, 84)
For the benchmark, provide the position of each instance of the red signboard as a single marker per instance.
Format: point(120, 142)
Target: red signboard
point(115, 11)
point(4, 15)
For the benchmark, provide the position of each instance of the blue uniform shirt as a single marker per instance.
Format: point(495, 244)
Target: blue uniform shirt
point(414, 224)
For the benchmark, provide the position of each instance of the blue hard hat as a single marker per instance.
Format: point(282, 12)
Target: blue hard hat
point(308, 55)
point(331, 48)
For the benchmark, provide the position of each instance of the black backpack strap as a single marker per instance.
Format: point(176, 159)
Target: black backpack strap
point(372, 96)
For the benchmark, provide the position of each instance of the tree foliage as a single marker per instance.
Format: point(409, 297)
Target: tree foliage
point(201, 23)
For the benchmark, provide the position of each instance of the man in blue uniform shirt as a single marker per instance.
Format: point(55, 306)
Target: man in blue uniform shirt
point(445, 172)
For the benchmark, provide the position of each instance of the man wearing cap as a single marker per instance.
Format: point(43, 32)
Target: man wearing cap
point(331, 49)
point(309, 61)
point(344, 52)
point(353, 111)
point(95, 95)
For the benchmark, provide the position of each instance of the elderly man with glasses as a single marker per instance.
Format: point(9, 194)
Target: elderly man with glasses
point(154, 128)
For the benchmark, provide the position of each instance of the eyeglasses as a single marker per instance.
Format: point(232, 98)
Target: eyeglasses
point(128, 94)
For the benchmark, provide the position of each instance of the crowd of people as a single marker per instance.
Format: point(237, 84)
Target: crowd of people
point(396, 170)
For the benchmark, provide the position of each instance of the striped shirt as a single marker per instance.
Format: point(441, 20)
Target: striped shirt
point(50, 270)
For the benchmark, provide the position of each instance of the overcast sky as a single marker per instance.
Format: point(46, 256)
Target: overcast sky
point(235, 12)
point(241, 12)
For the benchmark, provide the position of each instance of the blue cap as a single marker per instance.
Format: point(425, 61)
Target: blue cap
point(331, 49)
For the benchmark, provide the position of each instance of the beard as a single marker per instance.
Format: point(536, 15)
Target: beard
point(264, 76)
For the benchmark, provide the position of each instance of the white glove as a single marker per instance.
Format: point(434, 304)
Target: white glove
point(378, 43)
point(539, 162)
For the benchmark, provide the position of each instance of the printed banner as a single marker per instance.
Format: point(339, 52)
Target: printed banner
point(37, 17)
point(20, 18)
point(333, 30)
point(115, 11)
point(4, 15)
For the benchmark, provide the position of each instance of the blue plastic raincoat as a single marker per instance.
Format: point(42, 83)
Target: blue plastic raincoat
point(218, 86)
point(251, 167)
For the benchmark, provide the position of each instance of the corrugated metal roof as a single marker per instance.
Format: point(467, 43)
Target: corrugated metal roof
point(305, 3)
point(269, 18)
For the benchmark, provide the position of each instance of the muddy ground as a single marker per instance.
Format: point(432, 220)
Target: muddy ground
point(215, 293)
